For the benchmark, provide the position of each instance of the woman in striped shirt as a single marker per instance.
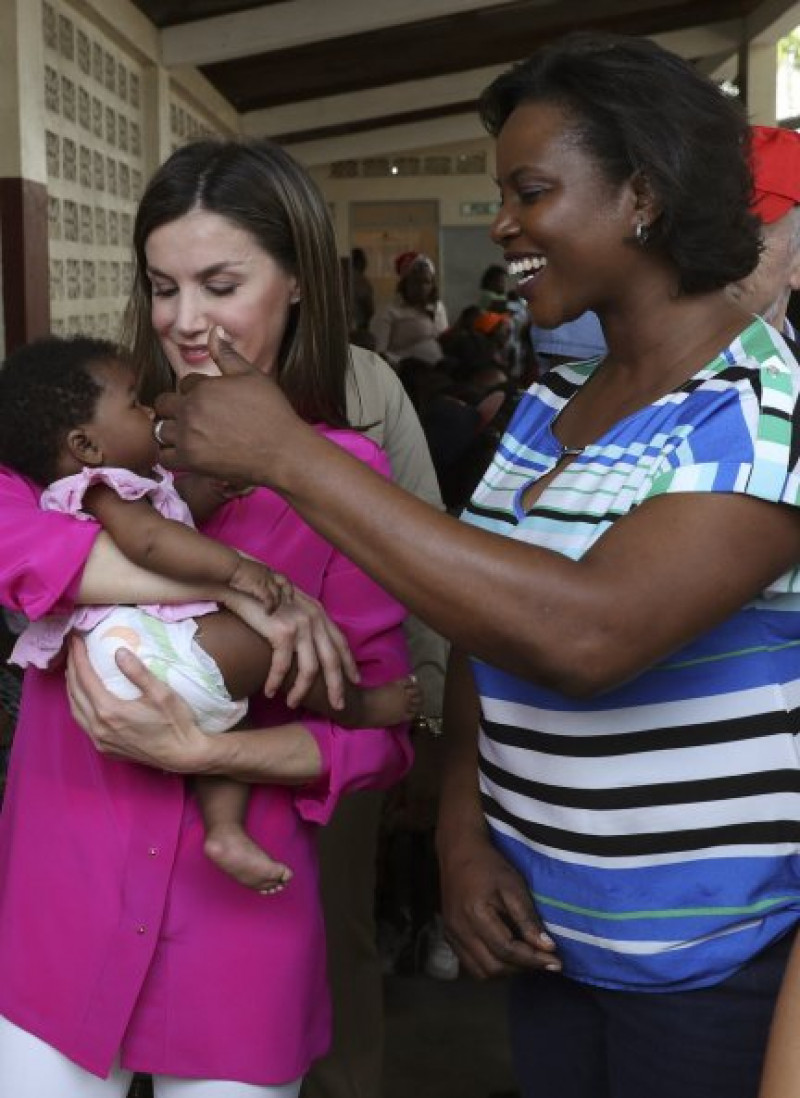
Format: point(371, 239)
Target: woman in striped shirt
point(620, 820)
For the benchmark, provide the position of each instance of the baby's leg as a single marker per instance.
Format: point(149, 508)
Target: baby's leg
point(172, 652)
point(371, 706)
point(242, 655)
point(223, 803)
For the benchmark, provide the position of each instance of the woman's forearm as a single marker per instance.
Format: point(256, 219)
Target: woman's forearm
point(110, 578)
point(460, 812)
point(641, 591)
point(285, 755)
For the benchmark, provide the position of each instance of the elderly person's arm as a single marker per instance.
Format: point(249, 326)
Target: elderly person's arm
point(781, 1078)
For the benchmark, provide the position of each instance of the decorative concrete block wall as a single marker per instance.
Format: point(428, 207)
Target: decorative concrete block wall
point(95, 169)
point(99, 128)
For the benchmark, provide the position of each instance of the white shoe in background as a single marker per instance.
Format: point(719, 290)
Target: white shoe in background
point(441, 962)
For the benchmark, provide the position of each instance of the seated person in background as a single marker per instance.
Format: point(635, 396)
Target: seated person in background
point(362, 295)
point(410, 325)
point(775, 157)
point(461, 405)
point(70, 419)
point(494, 289)
point(450, 423)
point(496, 326)
point(521, 358)
point(471, 355)
point(464, 322)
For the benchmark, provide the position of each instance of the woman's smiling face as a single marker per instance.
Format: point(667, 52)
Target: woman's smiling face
point(204, 271)
point(564, 228)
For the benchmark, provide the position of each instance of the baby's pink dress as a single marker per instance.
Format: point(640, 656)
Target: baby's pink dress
point(44, 639)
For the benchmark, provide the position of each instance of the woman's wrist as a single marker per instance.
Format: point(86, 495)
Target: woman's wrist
point(461, 820)
point(284, 755)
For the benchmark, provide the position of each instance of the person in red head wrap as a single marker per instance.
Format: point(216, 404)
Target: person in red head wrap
point(775, 158)
point(410, 325)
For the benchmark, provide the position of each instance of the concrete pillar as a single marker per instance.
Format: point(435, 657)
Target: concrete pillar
point(761, 71)
point(158, 137)
point(23, 190)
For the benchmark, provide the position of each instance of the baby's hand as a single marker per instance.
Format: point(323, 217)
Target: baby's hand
point(251, 577)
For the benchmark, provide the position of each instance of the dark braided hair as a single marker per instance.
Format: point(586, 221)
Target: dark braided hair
point(47, 389)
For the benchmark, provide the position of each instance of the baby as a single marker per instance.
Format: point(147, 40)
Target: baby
point(70, 419)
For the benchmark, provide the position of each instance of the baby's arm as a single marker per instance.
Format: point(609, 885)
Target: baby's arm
point(172, 549)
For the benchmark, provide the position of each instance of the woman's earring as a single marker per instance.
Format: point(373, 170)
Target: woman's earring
point(642, 233)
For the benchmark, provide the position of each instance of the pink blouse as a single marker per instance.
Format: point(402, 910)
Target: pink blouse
point(118, 937)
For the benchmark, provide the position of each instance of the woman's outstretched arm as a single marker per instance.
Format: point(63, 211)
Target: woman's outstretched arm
point(674, 567)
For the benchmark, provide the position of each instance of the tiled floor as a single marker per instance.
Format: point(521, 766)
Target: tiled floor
point(445, 1039)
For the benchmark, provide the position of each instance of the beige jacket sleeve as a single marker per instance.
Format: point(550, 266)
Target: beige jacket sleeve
point(378, 404)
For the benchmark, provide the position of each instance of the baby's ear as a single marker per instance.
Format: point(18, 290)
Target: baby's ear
point(82, 447)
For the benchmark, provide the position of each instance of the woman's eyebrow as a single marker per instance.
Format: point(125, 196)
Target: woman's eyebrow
point(206, 272)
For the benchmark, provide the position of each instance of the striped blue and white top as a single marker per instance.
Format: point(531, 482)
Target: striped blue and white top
point(659, 824)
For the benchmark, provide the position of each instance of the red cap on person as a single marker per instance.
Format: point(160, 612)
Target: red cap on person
point(406, 260)
point(775, 155)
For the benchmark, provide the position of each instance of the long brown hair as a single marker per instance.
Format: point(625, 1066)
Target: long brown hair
point(261, 189)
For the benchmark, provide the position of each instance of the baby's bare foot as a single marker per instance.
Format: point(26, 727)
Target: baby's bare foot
point(232, 849)
point(392, 703)
point(412, 696)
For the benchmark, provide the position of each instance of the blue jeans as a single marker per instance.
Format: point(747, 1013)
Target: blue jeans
point(572, 1040)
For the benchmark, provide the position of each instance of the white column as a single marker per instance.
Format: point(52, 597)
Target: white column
point(22, 149)
point(762, 73)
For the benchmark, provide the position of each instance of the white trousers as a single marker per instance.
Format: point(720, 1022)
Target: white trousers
point(30, 1068)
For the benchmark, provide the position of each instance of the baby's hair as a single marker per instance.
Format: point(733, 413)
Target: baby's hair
point(46, 389)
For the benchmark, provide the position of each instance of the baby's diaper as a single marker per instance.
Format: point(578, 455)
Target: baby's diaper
point(170, 652)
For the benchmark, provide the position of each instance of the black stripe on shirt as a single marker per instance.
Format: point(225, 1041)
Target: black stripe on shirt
point(768, 833)
point(699, 791)
point(575, 745)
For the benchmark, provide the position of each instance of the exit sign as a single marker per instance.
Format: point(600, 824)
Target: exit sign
point(479, 209)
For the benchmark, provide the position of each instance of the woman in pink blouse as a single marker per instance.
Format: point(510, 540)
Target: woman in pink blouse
point(122, 948)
